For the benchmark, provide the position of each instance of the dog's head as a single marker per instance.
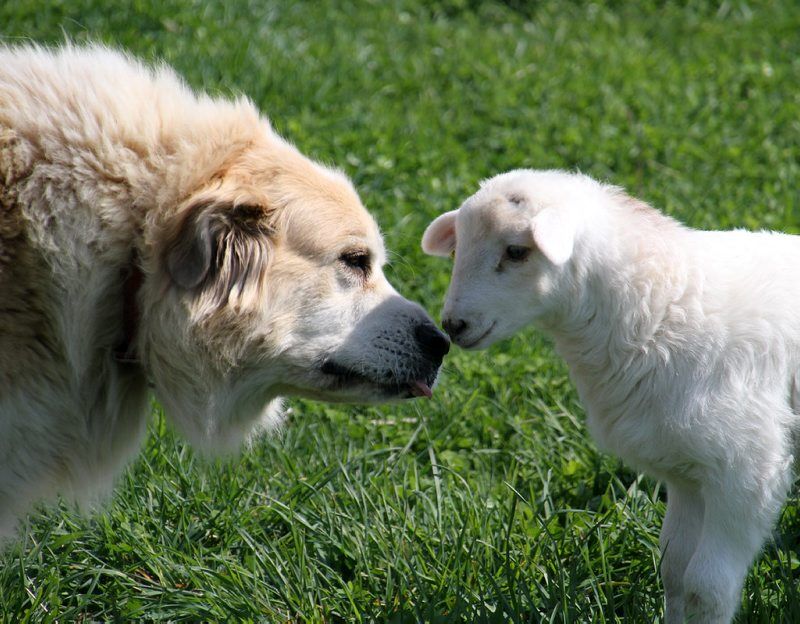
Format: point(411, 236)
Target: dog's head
point(268, 281)
point(514, 242)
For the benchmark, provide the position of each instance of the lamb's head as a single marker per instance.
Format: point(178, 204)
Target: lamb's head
point(515, 243)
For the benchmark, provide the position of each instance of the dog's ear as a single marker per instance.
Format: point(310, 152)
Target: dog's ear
point(554, 235)
point(219, 247)
point(439, 238)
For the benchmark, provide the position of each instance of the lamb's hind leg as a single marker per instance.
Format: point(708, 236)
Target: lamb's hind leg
point(680, 533)
point(741, 507)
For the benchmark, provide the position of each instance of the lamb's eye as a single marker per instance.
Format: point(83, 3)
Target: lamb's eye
point(517, 253)
point(356, 260)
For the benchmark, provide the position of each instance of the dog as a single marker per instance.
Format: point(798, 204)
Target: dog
point(151, 235)
point(684, 347)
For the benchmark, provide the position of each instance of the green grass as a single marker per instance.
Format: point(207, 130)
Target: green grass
point(489, 503)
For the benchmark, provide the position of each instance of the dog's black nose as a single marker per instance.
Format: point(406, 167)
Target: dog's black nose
point(454, 327)
point(432, 342)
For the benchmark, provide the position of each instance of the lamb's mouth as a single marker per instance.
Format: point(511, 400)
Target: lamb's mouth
point(472, 343)
point(345, 376)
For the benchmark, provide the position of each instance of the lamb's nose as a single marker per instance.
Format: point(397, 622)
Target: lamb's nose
point(433, 342)
point(454, 327)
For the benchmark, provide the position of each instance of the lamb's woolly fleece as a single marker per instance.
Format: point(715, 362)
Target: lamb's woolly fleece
point(684, 346)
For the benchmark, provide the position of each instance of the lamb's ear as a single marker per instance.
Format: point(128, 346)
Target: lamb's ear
point(219, 246)
point(439, 238)
point(554, 235)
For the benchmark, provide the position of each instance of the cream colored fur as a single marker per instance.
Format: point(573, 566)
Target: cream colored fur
point(684, 347)
point(261, 273)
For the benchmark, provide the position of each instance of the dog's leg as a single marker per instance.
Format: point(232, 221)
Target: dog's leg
point(741, 507)
point(680, 534)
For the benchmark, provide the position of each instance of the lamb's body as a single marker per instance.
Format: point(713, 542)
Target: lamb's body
point(685, 349)
point(701, 394)
point(685, 331)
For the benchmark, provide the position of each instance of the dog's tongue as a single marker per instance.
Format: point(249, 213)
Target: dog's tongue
point(420, 389)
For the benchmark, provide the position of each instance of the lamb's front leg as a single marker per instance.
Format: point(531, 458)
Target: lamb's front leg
point(740, 509)
point(680, 533)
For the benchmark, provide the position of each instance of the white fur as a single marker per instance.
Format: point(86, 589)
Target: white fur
point(242, 244)
point(684, 346)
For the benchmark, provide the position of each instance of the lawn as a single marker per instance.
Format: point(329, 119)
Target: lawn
point(488, 503)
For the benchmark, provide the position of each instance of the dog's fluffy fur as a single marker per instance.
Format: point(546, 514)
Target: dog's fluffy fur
point(684, 347)
point(261, 273)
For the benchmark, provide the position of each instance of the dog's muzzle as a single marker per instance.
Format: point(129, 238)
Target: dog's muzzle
point(415, 363)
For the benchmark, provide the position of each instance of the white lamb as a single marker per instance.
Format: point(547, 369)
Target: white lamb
point(684, 346)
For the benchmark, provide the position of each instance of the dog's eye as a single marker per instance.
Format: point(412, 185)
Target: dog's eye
point(356, 260)
point(517, 253)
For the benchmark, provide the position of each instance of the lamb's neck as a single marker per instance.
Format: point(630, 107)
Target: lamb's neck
point(622, 323)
